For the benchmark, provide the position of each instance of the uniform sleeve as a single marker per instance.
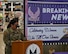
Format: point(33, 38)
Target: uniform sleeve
point(6, 38)
point(23, 38)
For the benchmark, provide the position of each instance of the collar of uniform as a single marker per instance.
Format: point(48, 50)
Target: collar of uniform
point(12, 30)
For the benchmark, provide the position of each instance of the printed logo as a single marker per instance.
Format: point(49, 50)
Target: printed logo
point(33, 49)
point(33, 16)
point(35, 52)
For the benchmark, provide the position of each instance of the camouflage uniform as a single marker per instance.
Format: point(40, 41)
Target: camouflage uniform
point(9, 36)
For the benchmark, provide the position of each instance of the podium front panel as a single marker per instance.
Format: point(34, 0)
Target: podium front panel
point(27, 47)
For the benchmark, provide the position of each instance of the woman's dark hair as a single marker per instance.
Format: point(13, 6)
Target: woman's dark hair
point(13, 21)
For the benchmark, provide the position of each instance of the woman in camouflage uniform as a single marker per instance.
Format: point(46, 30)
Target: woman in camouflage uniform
point(12, 34)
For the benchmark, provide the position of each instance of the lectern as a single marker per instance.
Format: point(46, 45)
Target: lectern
point(27, 47)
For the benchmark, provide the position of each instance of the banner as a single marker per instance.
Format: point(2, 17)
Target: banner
point(61, 53)
point(52, 0)
point(47, 33)
point(46, 13)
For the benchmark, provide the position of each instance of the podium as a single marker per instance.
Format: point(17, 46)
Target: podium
point(27, 47)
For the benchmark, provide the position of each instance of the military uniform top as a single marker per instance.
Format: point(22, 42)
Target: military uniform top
point(12, 35)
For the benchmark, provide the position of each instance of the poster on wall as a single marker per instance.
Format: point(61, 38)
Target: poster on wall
point(56, 0)
point(55, 38)
point(47, 33)
point(46, 13)
point(51, 0)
